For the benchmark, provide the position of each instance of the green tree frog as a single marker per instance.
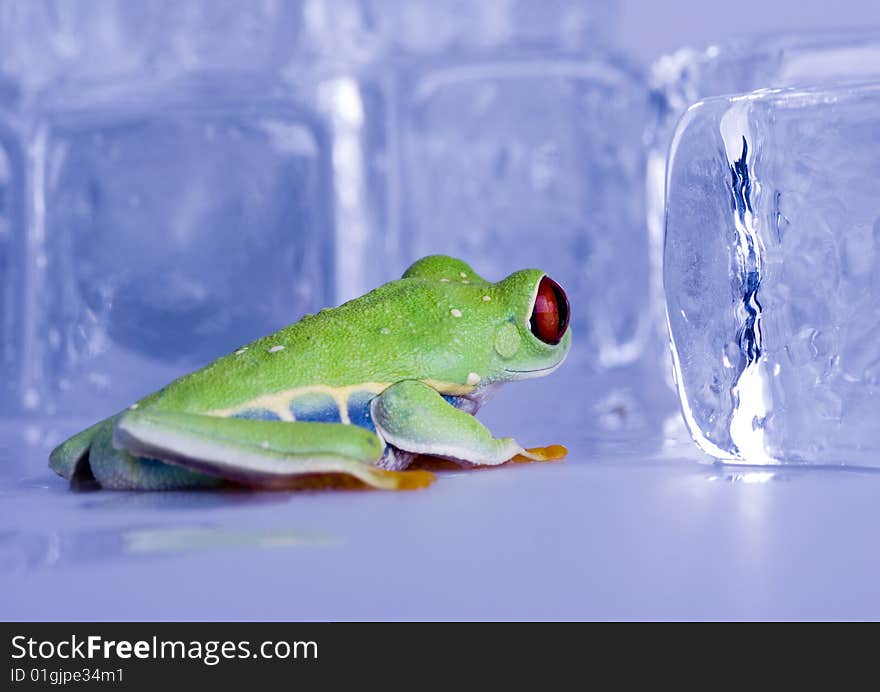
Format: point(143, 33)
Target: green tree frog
point(357, 391)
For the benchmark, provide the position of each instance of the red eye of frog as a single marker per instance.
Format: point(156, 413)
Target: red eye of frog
point(550, 315)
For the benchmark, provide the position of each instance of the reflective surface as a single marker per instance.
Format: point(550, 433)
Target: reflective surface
point(624, 528)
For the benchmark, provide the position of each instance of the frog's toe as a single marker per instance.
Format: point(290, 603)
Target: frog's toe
point(401, 480)
point(549, 453)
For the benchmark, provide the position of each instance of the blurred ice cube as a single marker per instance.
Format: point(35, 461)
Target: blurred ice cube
point(518, 143)
point(44, 41)
point(772, 275)
point(535, 163)
point(167, 186)
point(170, 223)
point(428, 27)
point(517, 140)
point(197, 174)
point(12, 184)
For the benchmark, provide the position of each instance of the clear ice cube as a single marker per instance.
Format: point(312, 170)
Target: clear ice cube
point(772, 275)
point(798, 60)
point(169, 223)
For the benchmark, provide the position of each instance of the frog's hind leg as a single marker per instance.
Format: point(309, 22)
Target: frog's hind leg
point(70, 459)
point(119, 470)
point(90, 457)
point(412, 417)
point(259, 453)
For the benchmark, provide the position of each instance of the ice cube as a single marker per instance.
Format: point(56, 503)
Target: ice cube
point(534, 163)
point(517, 140)
point(428, 27)
point(688, 75)
point(171, 222)
point(12, 184)
point(47, 40)
point(772, 275)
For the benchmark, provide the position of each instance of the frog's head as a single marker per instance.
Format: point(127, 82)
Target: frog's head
point(532, 338)
point(514, 329)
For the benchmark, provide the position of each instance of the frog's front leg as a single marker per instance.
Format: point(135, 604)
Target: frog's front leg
point(259, 453)
point(413, 417)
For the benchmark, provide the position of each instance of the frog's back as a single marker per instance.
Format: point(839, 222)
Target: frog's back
point(327, 366)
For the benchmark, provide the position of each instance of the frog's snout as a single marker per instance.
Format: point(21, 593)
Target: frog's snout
point(550, 314)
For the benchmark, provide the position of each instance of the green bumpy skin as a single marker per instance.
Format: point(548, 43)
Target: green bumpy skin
point(356, 391)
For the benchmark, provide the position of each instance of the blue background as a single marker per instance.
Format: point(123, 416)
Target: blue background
point(637, 525)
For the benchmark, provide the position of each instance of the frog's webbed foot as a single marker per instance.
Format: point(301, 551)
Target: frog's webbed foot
point(534, 454)
point(438, 429)
point(549, 453)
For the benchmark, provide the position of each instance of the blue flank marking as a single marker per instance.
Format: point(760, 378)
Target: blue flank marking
point(454, 400)
point(257, 414)
point(359, 410)
point(315, 408)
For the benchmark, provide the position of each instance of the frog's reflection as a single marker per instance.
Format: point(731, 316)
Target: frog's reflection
point(30, 550)
point(178, 500)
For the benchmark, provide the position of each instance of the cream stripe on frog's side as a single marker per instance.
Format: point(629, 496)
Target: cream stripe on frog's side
point(280, 403)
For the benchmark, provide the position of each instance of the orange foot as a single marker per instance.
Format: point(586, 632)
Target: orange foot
point(374, 478)
point(401, 480)
point(551, 453)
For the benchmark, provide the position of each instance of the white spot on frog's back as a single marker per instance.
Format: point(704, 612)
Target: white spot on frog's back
point(241, 350)
point(455, 312)
point(473, 378)
point(265, 444)
point(486, 299)
point(133, 407)
point(463, 275)
point(276, 349)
